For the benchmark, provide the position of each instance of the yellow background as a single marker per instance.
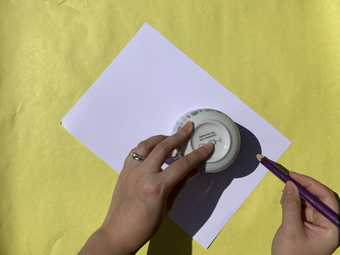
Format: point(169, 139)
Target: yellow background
point(281, 57)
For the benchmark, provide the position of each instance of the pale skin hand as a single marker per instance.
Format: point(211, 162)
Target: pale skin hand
point(142, 192)
point(304, 231)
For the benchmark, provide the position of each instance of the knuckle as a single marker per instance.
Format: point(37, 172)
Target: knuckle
point(152, 189)
point(144, 144)
point(291, 203)
point(158, 137)
point(175, 138)
point(164, 148)
point(143, 147)
point(332, 196)
point(185, 163)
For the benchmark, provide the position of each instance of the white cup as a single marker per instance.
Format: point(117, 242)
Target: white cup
point(212, 126)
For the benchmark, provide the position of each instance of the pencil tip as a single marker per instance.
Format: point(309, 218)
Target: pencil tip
point(259, 157)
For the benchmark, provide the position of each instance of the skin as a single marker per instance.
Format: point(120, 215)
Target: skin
point(305, 231)
point(144, 191)
point(142, 194)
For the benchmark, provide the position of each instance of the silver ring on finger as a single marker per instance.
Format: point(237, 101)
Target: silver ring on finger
point(137, 156)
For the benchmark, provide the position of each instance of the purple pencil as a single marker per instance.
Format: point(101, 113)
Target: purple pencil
point(305, 194)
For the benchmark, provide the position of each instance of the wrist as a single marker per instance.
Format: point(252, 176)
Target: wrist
point(100, 242)
point(116, 244)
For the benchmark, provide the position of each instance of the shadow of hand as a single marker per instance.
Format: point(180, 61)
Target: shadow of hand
point(197, 200)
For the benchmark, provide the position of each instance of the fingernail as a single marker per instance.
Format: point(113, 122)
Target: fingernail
point(187, 128)
point(289, 188)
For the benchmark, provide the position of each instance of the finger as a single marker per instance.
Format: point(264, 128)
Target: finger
point(182, 167)
point(291, 209)
point(161, 152)
point(309, 213)
point(325, 194)
point(312, 216)
point(321, 191)
point(144, 148)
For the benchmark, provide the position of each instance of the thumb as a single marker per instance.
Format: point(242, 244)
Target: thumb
point(291, 208)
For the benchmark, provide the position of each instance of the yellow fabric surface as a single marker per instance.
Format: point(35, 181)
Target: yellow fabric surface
point(281, 57)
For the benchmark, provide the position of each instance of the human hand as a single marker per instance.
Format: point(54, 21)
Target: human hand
point(304, 231)
point(142, 192)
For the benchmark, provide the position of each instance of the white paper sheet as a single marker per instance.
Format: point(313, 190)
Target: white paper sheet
point(147, 87)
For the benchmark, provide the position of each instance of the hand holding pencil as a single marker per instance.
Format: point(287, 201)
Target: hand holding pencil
point(304, 230)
